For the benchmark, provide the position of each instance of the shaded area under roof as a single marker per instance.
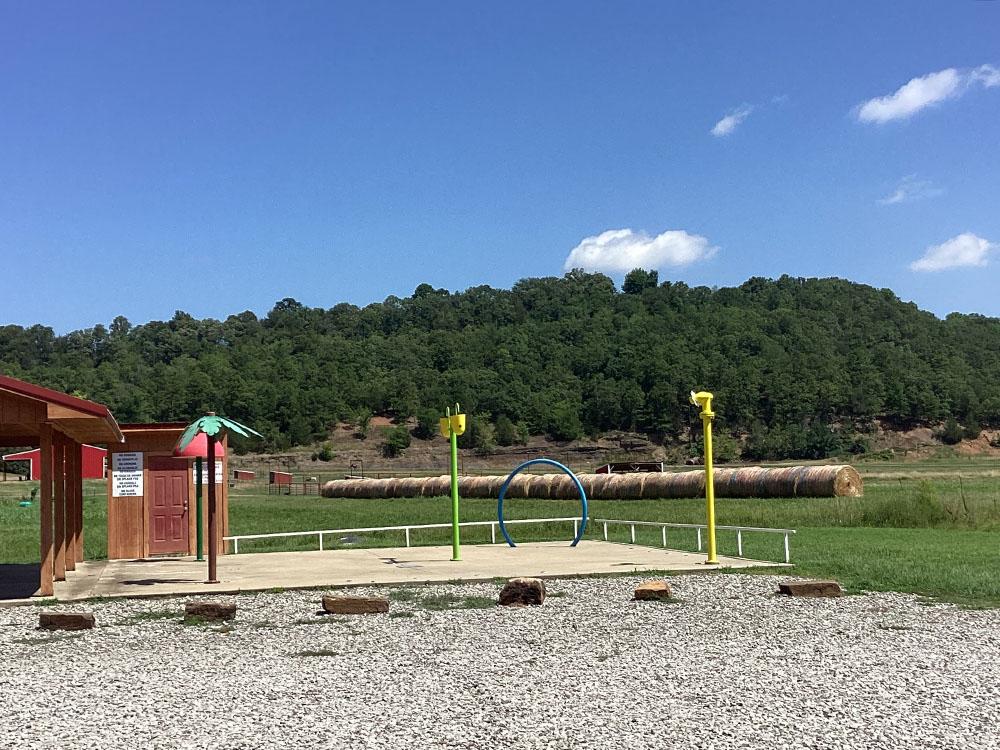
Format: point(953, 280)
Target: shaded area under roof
point(25, 407)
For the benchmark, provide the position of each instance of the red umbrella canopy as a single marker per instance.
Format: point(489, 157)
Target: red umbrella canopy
point(198, 448)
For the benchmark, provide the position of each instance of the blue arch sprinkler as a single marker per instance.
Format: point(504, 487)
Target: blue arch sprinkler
point(561, 467)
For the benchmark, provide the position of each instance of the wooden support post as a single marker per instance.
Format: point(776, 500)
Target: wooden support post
point(78, 501)
point(59, 475)
point(45, 507)
point(213, 538)
point(72, 457)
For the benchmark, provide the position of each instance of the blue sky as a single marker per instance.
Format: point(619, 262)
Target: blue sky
point(217, 157)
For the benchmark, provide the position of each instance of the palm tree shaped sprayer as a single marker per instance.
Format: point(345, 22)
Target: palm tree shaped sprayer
point(215, 428)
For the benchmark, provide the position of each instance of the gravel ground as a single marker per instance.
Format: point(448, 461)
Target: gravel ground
point(728, 666)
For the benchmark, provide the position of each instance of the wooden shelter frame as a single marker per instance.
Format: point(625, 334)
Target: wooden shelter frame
point(58, 424)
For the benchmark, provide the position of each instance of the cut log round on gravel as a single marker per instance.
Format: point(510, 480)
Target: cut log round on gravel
point(355, 605)
point(653, 591)
point(65, 620)
point(213, 611)
point(522, 592)
point(810, 588)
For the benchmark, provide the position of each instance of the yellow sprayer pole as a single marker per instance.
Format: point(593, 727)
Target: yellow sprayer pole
point(704, 400)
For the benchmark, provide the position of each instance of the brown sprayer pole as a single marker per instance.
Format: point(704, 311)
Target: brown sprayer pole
point(213, 542)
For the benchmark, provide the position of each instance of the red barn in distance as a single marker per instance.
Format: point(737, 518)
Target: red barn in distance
point(95, 462)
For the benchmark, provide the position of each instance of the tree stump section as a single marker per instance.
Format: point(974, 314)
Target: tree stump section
point(355, 605)
point(810, 588)
point(212, 611)
point(652, 591)
point(65, 620)
point(522, 592)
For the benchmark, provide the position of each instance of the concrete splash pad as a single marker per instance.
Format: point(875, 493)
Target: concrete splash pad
point(384, 565)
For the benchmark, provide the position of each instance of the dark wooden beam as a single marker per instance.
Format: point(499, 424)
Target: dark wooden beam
point(78, 502)
point(45, 498)
point(59, 477)
point(72, 459)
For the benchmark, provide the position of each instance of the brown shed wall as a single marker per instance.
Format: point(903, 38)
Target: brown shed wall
point(128, 517)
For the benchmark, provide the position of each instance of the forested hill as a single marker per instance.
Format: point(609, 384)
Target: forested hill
point(564, 356)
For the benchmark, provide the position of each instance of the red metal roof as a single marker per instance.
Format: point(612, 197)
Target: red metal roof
point(49, 396)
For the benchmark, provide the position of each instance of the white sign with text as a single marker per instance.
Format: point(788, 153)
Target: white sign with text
point(204, 472)
point(126, 474)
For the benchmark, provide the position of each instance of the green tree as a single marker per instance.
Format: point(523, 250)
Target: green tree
point(427, 425)
point(506, 431)
point(397, 440)
point(951, 433)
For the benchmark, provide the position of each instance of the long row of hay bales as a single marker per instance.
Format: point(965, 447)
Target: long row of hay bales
point(752, 481)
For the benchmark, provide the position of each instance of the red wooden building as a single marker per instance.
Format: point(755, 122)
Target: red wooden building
point(94, 462)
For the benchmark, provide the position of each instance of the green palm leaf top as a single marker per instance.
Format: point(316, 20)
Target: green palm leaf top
point(212, 425)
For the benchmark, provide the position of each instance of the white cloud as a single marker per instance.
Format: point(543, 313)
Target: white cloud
point(910, 188)
point(986, 75)
point(965, 250)
point(621, 250)
point(925, 91)
point(729, 123)
point(912, 97)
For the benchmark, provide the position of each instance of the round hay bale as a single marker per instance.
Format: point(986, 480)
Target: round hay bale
point(518, 486)
point(848, 482)
point(539, 485)
point(800, 472)
point(492, 485)
point(654, 485)
point(745, 482)
point(587, 480)
point(603, 486)
point(362, 488)
point(615, 486)
point(408, 487)
point(780, 482)
point(830, 481)
point(483, 487)
point(690, 484)
point(813, 482)
point(630, 486)
point(348, 488)
point(436, 486)
point(724, 482)
point(562, 487)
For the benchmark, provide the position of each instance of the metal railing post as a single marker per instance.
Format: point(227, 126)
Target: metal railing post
point(739, 542)
point(664, 530)
point(605, 532)
point(787, 554)
point(575, 524)
point(236, 546)
point(407, 531)
point(632, 527)
point(493, 533)
point(699, 538)
point(320, 535)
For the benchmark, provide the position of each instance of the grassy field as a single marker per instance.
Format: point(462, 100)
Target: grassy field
point(939, 537)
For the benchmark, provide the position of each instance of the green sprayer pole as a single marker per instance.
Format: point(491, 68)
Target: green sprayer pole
point(455, 553)
point(199, 531)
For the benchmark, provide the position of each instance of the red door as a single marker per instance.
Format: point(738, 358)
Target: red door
point(168, 506)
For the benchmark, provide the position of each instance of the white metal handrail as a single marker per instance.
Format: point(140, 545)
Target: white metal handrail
point(605, 522)
point(698, 526)
point(405, 529)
